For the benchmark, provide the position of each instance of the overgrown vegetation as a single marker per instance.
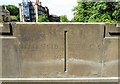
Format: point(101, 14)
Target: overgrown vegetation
point(43, 18)
point(63, 18)
point(97, 12)
point(14, 12)
point(14, 18)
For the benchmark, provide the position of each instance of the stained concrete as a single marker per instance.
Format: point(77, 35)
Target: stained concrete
point(11, 55)
point(59, 83)
point(1, 25)
point(70, 50)
point(110, 62)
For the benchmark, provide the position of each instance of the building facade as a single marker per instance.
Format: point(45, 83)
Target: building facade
point(29, 11)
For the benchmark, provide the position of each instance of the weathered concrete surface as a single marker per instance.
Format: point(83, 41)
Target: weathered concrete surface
point(85, 50)
point(42, 49)
point(110, 62)
point(1, 25)
point(59, 83)
point(11, 55)
point(60, 51)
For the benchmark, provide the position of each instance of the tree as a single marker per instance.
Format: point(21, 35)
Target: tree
point(43, 18)
point(63, 18)
point(13, 10)
point(15, 18)
point(97, 12)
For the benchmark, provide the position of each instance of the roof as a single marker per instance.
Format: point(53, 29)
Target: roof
point(54, 15)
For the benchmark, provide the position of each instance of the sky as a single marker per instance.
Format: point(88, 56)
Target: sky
point(56, 7)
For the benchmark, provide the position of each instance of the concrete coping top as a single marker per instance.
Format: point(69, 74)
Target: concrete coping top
point(56, 23)
point(102, 23)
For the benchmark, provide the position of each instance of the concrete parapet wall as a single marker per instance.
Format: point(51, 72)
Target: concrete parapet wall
point(70, 50)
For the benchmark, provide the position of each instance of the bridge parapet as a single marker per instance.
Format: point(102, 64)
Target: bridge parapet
point(60, 51)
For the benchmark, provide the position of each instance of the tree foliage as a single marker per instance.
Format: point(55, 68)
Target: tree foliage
point(97, 12)
point(15, 18)
point(43, 18)
point(63, 18)
point(14, 10)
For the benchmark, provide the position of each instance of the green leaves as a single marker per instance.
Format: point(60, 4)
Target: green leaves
point(97, 12)
point(15, 18)
point(13, 10)
point(63, 18)
point(43, 18)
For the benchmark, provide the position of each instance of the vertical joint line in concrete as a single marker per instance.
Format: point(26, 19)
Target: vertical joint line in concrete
point(104, 31)
point(65, 51)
